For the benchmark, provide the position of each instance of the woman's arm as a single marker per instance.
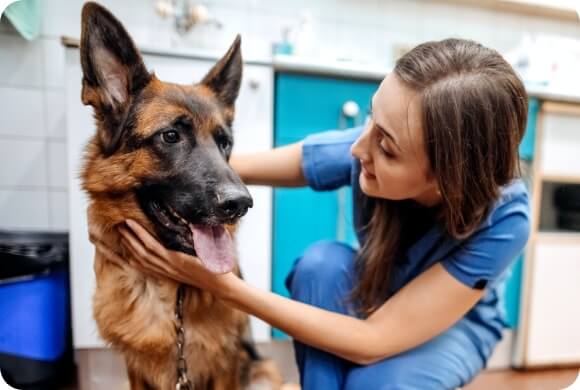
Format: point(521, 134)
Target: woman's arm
point(425, 307)
point(280, 167)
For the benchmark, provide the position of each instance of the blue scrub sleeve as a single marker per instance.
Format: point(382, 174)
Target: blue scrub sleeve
point(485, 256)
point(326, 158)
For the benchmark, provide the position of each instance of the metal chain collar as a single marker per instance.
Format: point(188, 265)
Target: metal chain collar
point(183, 382)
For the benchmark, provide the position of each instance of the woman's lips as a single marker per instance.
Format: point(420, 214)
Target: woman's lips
point(367, 174)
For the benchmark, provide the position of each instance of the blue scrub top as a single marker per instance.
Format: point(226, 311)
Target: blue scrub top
point(479, 261)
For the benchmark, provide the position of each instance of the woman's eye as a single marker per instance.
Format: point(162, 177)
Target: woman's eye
point(170, 136)
point(384, 148)
point(386, 152)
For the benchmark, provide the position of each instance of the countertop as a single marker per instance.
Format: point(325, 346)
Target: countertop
point(334, 68)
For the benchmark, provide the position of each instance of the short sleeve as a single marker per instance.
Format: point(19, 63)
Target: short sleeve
point(326, 158)
point(485, 256)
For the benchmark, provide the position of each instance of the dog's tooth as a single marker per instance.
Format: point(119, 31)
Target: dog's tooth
point(176, 215)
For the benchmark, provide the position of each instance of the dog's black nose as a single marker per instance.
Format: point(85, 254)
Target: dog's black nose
point(234, 203)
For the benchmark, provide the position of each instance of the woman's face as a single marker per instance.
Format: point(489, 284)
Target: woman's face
point(392, 147)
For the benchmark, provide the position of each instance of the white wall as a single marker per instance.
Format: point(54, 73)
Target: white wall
point(33, 191)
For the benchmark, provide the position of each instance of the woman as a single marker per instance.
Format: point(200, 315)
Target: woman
point(439, 212)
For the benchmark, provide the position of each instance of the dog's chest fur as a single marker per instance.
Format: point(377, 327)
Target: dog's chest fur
point(135, 313)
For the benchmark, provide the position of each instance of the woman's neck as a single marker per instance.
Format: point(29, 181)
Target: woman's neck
point(429, 198)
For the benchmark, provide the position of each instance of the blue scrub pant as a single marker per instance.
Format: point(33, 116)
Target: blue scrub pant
point(324, 277)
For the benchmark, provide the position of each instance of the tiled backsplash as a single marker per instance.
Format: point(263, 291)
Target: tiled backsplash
point(33, 187)
point(33, 191)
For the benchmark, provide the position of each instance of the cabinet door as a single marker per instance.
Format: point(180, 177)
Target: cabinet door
point(527, 144)
point(512, 291)
point(253, 132)
point(306, 105)
point(554, 311)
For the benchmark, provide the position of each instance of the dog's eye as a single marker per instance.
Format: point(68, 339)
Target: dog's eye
point(226, 144)
point(223, 142)
point(170, 136)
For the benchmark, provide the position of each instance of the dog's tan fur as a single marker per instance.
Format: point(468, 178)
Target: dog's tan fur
point(135, 312)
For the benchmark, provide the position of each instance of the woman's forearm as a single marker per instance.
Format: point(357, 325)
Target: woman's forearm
point(427, 306)
point(424, 308)
point(348, 337)
point(279, 167)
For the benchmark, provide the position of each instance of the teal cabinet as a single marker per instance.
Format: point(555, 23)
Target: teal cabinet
point(514, 283)
point(305, 105)
point(527, 144)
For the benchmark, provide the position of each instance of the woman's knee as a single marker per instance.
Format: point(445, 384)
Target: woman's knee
point(391, 376)
point(325, 259)
point(325, 264)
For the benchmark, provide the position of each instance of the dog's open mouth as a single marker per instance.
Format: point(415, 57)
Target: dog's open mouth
point(213, 245)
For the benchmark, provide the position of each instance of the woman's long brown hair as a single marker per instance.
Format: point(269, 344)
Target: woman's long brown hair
point(474, 112)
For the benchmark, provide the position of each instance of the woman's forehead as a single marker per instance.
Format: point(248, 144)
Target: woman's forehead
point(397, 109)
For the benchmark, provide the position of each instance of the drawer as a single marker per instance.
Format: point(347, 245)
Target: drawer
point(554, 321)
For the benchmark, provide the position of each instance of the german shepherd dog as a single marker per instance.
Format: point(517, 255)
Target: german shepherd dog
point(160, 156)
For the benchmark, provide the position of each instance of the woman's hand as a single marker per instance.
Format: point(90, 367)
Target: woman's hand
point(149, 256)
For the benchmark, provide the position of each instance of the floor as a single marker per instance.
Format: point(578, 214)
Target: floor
point(554, 379)
point(110, 369)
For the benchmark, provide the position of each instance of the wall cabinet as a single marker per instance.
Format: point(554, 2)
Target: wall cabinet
point(304, 105)
point(549, 311)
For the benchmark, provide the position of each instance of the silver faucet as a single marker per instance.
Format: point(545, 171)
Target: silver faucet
point(185, 14)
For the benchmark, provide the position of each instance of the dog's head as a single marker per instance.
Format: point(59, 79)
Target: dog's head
point(162, 149)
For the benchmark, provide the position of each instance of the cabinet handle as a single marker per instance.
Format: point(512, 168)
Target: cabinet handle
point(350, 109)
point(349, 115)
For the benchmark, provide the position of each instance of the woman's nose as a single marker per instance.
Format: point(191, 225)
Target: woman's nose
point(360, 149)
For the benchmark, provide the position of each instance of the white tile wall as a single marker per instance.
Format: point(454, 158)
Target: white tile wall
point(53, 52)
point(24, 209)
point(55, 120)
point(58, 210)
point(21, 112)
point(33, 191)
point(23, 163)
point(57, 172)
point(21, 61)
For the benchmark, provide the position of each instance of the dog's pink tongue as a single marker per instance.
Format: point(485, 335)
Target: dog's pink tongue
point(214, 247)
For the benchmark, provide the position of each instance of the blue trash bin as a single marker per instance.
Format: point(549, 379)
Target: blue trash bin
point(35, 330)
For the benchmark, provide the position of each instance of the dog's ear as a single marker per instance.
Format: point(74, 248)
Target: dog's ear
point(225, 77)
point(113, 71)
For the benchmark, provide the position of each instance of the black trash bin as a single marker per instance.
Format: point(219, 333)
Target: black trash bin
point(35, 330)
